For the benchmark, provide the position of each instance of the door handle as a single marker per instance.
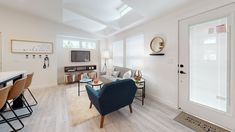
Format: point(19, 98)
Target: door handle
point(182, 72)
point(180, 65)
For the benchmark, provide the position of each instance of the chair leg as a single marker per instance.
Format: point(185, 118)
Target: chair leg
point(25, 102)
point(16, 117)
point(101, 121)
point(130, 107)
point(3, 108)
point(20, 116)
point(14, 130)
point(90, 105)
point(36, 102)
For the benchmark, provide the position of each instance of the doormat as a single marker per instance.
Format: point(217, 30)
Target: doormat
point(197, 124)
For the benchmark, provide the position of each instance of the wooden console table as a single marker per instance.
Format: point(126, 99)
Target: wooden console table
point(73, 73)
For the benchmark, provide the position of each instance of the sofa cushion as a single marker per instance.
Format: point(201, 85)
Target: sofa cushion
point(115, 74)
point(127, 75)
point(107, 79)
point(123, 70)
point(109, 71)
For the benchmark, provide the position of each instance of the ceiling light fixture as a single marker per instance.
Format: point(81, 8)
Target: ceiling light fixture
point(124, 9)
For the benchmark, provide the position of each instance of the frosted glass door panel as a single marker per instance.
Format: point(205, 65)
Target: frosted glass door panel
point(209, 64)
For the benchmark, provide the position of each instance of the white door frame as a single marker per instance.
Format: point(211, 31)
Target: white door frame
point(224, 119)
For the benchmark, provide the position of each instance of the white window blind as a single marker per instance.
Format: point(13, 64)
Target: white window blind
point(118, 53)
point(135, 51)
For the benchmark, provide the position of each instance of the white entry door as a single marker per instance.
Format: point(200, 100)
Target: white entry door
point(207, 65)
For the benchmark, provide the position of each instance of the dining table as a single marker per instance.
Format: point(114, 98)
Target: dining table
point(10, 77)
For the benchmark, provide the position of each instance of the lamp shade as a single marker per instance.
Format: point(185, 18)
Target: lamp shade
point(105, 54)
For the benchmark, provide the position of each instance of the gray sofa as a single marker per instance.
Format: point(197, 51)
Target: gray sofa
point(109, 78)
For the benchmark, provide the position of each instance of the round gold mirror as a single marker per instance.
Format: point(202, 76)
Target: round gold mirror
point(157, 44)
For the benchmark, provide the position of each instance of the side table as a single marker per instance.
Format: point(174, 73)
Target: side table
point(99, 83)
point(82, 81)
point(140, 86)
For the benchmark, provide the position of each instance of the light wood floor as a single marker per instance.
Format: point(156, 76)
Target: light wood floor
point(51, 115)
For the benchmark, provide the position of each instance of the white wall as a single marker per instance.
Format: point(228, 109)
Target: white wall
point(64, 58)
point(0, 51)
point(16, 25)
point(104, 47)
point(160, 72)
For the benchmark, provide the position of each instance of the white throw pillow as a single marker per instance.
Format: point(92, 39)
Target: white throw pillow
point(127, 75)
point(109, 71)
point(115, 74)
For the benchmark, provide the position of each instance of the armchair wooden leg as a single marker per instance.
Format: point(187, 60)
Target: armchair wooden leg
point(130, 107)
point(101, 121)
point(90, 105)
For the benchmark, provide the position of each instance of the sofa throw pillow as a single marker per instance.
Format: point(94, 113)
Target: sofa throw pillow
point(127, 75)
point(115, 74)
point(110, 71)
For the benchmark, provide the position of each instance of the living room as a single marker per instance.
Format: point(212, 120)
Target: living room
point(85, 46)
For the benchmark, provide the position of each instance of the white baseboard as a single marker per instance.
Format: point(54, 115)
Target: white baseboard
point(165, 102)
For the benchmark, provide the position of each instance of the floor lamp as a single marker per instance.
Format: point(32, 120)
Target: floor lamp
point(105, 56)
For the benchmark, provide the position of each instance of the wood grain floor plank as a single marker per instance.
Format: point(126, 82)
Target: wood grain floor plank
point(51, 115)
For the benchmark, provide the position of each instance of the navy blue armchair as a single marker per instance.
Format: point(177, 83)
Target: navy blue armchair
point(112, 97)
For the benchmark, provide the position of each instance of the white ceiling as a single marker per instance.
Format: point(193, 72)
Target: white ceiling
point(96, 16)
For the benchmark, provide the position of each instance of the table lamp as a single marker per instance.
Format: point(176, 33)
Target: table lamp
point(137, 73)
point(105, 56)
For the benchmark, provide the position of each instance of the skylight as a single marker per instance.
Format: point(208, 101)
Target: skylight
point(124, 9)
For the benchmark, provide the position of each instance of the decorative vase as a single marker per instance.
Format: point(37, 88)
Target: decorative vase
point(137, 75)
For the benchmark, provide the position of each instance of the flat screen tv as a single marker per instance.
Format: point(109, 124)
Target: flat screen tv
point(80, 56)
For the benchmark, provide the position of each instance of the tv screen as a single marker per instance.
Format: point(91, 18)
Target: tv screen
point(80, 56)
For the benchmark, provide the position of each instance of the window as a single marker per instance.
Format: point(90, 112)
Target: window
point(83, 44)
point(88, 45)
point(135, 51)
point(124, 9)
point(71, 44)
point(118, 53)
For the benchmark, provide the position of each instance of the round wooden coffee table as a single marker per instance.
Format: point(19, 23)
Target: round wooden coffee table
point(99, 83)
